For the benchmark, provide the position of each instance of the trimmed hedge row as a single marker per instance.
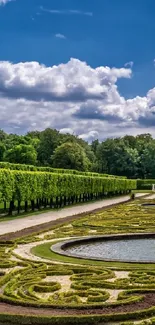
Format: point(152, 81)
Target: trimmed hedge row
point(145, 184)
point(30, 186)
point(72, 320)
point(46, 287)
point(19, 185)
point(7, 165)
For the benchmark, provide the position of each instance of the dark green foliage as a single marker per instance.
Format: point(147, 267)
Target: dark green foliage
point(128, 156)
point(3, 135)
point(72, 156)
point(2, 150)
point(145, 184)
point(22, 153)
point(49, 141)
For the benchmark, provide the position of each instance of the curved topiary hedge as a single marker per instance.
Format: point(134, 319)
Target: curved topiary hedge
point(42, 292)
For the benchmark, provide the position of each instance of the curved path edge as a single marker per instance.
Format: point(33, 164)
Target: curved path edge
point(25, 226)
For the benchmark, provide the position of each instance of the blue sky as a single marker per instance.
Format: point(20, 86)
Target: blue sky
point(102, 33)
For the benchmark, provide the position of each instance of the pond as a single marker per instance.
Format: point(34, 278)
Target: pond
point(127, 250)
point(148, 205)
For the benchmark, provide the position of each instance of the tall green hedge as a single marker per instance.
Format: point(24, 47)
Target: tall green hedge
point(7, 165)
point(26, 186)
point(145, 184)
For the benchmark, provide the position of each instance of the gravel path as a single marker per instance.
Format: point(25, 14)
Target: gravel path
point(150, 197)
point(10, 226)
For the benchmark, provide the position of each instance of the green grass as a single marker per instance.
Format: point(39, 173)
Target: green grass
point(142, 191)
point(44, 251)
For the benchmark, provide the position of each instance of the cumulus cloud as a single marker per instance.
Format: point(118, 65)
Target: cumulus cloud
point(95, 110)
point(71, 97)
point(62, 36)
point(74, 81)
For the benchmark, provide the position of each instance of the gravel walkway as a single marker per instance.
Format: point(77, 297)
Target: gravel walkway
point(150, 197)
point(34, 220)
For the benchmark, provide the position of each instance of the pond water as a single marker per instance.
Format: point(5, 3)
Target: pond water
point(149, 205)
point(134, 250)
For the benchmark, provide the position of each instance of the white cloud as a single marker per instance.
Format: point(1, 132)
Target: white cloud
point(62, 36)
point(71, 97)
point(129, 64)
point(74, 81)
point(66, 130)
point(90, 136)
point(67, 12)
point(4, 2)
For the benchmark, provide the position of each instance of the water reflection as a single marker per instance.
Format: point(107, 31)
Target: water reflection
point(127, 250)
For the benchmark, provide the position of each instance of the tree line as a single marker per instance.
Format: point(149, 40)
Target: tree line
point(131, 156)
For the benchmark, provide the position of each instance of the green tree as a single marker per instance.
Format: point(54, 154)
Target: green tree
point(22, 154)
point(130, 141)
point(105, 152)
point(74, 139)
point(2, 150)
point(115, 157)
point(94, 145)
point(70, 155)
point(130, 166)
point(49, 141)
point(3, 135)
point(147, 161)
point(14, 140)
point(34, 134)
